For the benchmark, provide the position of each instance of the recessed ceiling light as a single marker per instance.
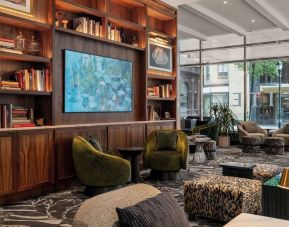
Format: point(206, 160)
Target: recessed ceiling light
point(225, 2)
point(253, 20)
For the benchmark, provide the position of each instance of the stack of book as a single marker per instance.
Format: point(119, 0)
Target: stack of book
point(16, 117)
point(88, 26)
point(9, 85)
point(113, 34)
point(8, 45)
point(161, 91)
point(34, 80)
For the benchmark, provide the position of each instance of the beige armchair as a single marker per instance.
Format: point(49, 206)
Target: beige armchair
point(283, 133)
point(251, 129)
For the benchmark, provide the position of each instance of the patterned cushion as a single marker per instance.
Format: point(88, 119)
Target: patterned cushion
point(160, 211)
point(166, 140)
point(221, 197)
point(93, 141)
point(250, 127)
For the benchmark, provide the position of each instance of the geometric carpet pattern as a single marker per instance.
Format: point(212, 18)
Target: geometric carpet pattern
point(58, 209)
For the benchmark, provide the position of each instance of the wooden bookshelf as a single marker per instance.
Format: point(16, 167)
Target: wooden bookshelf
point(84, 35)
point(125, 24)
point(152, 98)
point(23, 92)
point(73, 7)
point(23, 57)
point(160, 77)
point(129, 3)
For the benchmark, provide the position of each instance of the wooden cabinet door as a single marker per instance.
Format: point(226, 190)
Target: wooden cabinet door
point(63, 144)
point(6, 164)
point(136, 135)
point(35, 158)
point(117, 137)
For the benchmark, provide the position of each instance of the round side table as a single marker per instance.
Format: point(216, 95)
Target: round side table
point(131, 154)
point(200, 156)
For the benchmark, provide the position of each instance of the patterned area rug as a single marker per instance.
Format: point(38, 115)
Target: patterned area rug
point(58, 209)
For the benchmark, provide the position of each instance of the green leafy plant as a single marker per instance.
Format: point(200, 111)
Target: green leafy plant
point(225, 119)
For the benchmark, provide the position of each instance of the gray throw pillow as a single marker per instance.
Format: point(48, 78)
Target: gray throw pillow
point(161, 211)
point(166, 140)
point(93, 141)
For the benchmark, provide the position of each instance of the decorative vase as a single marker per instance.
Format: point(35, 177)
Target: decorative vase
point(224, 141)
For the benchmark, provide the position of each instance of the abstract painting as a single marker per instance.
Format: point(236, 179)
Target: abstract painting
point(97, 84)
point(160, 57)
point(22, 6)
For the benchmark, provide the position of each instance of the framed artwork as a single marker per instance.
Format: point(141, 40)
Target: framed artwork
point(160, 57)
point(20, 6)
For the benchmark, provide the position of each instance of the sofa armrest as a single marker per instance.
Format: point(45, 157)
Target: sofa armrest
point(279, 131)
point(261, 130)
point(241, 133)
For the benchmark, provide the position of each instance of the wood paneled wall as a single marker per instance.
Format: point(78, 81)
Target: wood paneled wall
point(64, 41)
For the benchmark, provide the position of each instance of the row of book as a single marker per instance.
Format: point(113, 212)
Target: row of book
point(8, 45)
point(161, 91)
point(16, 117)
point(29, 79)
point(114, 34)
point(88, 26)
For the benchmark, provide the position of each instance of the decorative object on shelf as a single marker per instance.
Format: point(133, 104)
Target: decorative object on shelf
point(134, 41)
point(109, 31)
point(122, 36)
point(160, 57)
point(18, 6)
point(40, 121)
point(167, 115)
point(57, 18)
point(33, 46)
point(65, 23)
point(156, 116)
point(20, 42)
point(284, 181)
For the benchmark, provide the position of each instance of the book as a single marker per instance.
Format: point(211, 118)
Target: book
point(10, 50)
point(23, 125)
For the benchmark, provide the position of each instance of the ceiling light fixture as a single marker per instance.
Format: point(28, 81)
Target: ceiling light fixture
point(225, 2)
point(253, 20)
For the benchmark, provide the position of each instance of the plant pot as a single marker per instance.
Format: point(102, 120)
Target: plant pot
point(224, 141)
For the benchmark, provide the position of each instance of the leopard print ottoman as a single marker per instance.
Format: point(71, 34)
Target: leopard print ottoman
point(274, 146)
point(251, 144)
point(210, 149)
point(222, 198)
point(265, 172)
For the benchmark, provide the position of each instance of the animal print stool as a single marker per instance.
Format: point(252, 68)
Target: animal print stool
point(210, 149)
point(250, 144)
point(222, 198)
point(274, 146)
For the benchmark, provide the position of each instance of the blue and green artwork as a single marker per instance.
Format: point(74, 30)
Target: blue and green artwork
point(97, 84)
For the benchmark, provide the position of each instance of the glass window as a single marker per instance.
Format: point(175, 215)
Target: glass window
point(207, 72)
point(229, 90)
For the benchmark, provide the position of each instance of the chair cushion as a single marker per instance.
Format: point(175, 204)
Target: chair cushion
point(93, 141)
point(166, 140)
point(165, 160)
point(161, 210)
point(250, 127)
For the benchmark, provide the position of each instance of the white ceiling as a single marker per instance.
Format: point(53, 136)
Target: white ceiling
point(206, 18)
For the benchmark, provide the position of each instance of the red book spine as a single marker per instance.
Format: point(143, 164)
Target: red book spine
point(46, 80)
point(22, 125)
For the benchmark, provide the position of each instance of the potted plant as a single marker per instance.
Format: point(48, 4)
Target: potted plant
point(225, 120)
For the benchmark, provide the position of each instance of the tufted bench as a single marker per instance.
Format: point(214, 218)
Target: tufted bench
point(222, 198)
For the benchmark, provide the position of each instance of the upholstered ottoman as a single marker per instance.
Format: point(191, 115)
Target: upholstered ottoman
point(222, 198)
point(274, 146)
point(210, 149)
point(251, 144)
point(265, 172)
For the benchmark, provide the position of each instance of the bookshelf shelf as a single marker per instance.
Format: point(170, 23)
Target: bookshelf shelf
point(160, 14)
point(23, 57)
point(161, 99)
point(159, 77)
point(72, 32)
point(129, 3)
point(23, 92)
point(125, 23)
point(67, 5)
point(152, 31)
point(23, 22)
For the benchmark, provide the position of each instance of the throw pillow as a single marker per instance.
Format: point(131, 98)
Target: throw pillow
point(166, 140)
point(286, 129)
point(94, 143)
point(161, 211)
point(250, 127)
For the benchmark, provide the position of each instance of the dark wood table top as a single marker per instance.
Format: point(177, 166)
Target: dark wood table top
point(130, 150)
point(237, 165)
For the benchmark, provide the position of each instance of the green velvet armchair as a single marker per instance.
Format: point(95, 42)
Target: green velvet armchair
point(97, 169)
point(166, 161)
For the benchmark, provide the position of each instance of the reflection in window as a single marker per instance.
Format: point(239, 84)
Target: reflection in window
point(223, 71)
